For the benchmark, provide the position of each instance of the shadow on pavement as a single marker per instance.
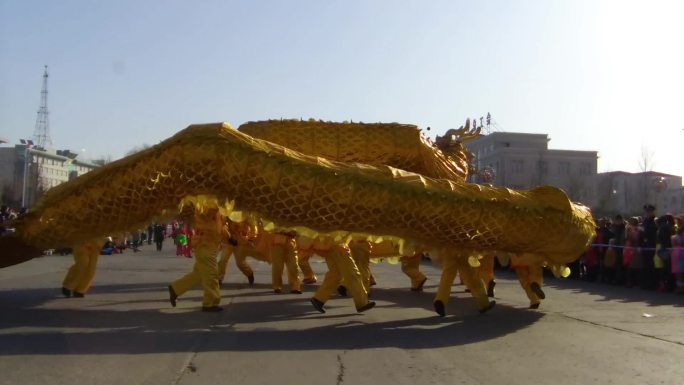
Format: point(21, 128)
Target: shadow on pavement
point(617, 293)
point(29, 326)
point(607, 291)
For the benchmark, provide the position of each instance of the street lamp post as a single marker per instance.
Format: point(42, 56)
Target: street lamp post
point(27, 147)
point(659, 185)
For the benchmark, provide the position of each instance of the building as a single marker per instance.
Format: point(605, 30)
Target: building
point(625, 193)
point(26, 172)
point(522, 161)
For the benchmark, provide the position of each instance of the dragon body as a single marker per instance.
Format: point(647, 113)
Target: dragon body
point(300, 191)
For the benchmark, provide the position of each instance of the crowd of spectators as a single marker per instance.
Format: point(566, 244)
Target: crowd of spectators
point(643, 252)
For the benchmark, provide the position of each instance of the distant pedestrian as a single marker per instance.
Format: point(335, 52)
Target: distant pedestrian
point(150, 233)
point(159, 235)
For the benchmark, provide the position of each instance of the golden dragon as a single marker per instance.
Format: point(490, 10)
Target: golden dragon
point(292, 189)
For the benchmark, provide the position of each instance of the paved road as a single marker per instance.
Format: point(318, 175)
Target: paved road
point(125, 332)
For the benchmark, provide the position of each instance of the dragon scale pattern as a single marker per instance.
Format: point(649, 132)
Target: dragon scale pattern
point(294, 190)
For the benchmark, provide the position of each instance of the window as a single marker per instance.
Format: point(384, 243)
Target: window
point(563, 168)
point(543, 167)
point(585, 168)
point(517, 166)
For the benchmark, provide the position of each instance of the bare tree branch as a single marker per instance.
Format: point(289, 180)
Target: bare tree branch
point(646, 162)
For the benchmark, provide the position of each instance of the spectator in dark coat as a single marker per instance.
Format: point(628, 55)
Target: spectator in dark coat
point(647, 243)
point(159, 235)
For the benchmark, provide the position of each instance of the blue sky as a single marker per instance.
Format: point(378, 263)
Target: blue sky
point(595, 75)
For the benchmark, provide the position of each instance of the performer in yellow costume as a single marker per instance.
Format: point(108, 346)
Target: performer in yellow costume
point(363, 252)
point(340, 266)
point(360, 251)
point(283, 252)
point(410, 265)
point(208, 225)
point(530, 274)
point(279, 248)
point(239, 235)
point(80, 276)
point(452, 264)
point(486, 272)
point(309, 277)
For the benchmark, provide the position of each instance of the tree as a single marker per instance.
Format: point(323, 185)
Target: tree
point(646, 162)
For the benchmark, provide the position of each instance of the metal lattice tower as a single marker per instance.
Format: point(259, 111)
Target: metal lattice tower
point(41, 135)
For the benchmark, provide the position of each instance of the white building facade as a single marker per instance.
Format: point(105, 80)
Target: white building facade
point(625, 193)
point(523, 161)
point(26, 173)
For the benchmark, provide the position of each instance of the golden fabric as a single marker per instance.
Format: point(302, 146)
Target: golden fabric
point(310, 194)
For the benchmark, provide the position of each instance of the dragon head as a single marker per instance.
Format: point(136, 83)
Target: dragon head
point(451, 144)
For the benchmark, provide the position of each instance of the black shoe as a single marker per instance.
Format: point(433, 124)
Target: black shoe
point(466, 290)
point(66, 292)
point(490, 288)
point(318, 305)
point(365, 307)
point(489, 307)
point(172, 296)
point(277, 291)
point(342, 291)
point(420, 285)
point(536, 289)
point(78, 295)
point(296, 291)
point(534, 306)
point(212, 309)
point(251, 279)
point(439, 308)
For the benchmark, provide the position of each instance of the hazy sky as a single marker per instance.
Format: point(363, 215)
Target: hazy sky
point(595, 75)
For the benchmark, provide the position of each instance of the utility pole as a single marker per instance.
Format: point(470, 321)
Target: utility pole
point(41, 140)
point(41, 135)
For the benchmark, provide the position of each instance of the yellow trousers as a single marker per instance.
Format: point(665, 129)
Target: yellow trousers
point(486, 269)
point(360, 252)
point(305, 266)
point(80, 275)
point(205, 245)
point(451, 265)
point(341, 266)
point(205, 274)
point(284, 255)
point(410, 265)
point(527, 275)
point(240, 261)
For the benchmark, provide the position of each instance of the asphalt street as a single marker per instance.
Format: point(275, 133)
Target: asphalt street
point(125, 331)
